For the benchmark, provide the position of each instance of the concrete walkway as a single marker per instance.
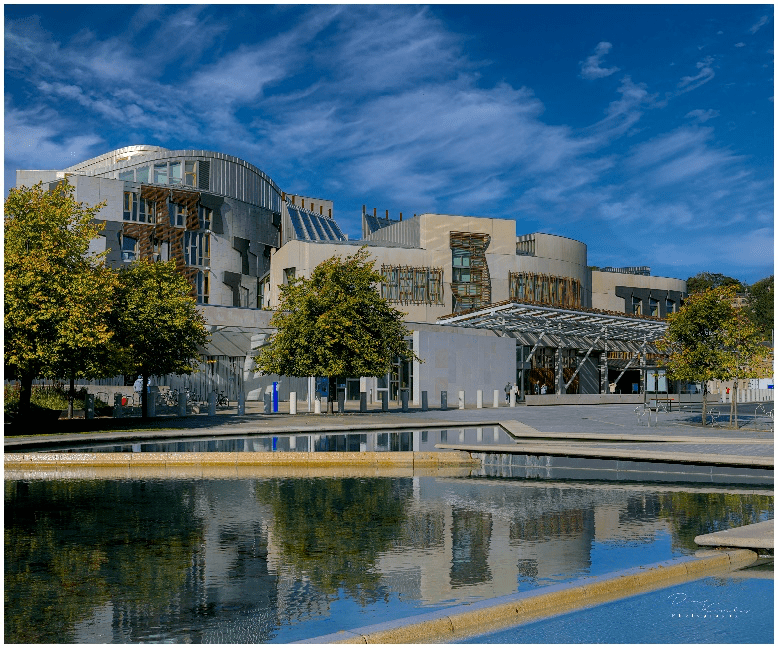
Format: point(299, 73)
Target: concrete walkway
point(751, 536)
point(576, 430)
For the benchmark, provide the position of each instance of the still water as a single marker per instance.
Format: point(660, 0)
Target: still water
point(278, 560)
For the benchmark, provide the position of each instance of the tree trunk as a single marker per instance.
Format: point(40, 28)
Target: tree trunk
point(71, 395)
point(144, 403)
point(704, 403)
point(25, 392)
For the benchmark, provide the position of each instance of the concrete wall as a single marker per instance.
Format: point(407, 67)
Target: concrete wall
point(604, 286)
point(462, 359)
point(557, 256)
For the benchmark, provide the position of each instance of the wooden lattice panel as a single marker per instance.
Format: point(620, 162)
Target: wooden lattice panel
point(188, 199)
point(480, 282)
point(545, 289)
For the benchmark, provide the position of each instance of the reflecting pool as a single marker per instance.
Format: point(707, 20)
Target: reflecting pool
point(278, 560)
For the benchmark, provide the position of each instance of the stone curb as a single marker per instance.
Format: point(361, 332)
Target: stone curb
point(44, 461)
point(492, 614)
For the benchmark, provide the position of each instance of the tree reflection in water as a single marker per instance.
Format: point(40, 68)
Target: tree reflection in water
point(332, 531)
point(73, 546)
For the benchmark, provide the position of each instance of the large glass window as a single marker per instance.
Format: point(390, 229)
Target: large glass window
point(175, 173)
point(197, 248)
point(130, 206)
point(160, 173)
point(129, 248)
point(202, 287)
point(190, 174)
point(670, 306)
point(204, 216)
point(654, 305)
point(637, 306)
point(461, 265)
point(177, 215)
point(128, 176)
point(142, 174)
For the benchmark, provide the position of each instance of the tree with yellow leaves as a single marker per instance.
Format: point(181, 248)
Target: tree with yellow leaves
point(57, 294)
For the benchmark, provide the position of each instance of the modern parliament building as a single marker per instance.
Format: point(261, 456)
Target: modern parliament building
point(485, 307)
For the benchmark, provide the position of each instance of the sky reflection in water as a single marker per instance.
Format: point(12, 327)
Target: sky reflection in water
point(277, 560)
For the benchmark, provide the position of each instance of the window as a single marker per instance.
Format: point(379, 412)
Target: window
point(190, 174)
point(637, 306)
point(289, 275)
point(654, 305)
point(142, 174)
point(160, 249)
point(177, 215)
point(670, 306)
point(160, 173)
point(204, 216)
point(175, 173)
point(127, 176)
point(461, 265)
point(130, 205)
point(129, 248)
point(143, 212)
point(197, 248)
point(202, 287)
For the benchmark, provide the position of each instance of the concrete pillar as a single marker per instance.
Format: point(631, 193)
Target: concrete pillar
point(384, 401)
point(293, 443)
point(479, 399)
point(212, 404)
point(479, 434)
point(266, 399)
point(341, 402)
point(496, 399)
point(181, 405)
point(461, 400)
point(317, 406)
point(241, 403)
point(293, 402)
point(424, 403)
point(443, 401)
point(118, 409)
point(404, 399)
point(513, 399)
point(363, 401)
point(89, 406)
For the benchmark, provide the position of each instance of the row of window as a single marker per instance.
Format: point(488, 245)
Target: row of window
point(653, 306)
point(545, 289)
point(166, 173)
point(197, 249)
point(145, 211)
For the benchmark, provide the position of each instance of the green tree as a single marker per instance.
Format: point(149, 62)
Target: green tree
point(703, 281)
point(57, 293)
point(695, 339)
point(742, 340)
point(761, 304)
point(158, 327)
point(335, 324)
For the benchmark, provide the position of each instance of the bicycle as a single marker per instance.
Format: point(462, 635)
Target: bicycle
point(222, 400)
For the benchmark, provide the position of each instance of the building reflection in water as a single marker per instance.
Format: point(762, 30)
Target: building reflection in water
point(247, 561)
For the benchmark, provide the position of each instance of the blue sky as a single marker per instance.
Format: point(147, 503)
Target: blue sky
point(644, 131)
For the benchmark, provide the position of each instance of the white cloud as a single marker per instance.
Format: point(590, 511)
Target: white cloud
point(702, 115)
point(591, 68)
point(704, 75)
point(740, 44)
point(758, 25)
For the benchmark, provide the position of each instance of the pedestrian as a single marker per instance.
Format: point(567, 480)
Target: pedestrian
point(543, 389)
point(508, 389)
point(138, 385)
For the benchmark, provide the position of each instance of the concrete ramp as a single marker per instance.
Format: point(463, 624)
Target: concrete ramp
point(751, 536)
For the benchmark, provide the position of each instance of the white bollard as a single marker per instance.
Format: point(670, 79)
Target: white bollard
point(479, 434)
point(293, 402)
point(317, 406)
point(461, 398)
point(513, 398)
point(496, 401)
point(479, 399)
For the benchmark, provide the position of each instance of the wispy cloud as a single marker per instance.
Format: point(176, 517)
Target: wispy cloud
point(704, 75)
point(702, 116)
point(591, 68)
point(758, 25)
